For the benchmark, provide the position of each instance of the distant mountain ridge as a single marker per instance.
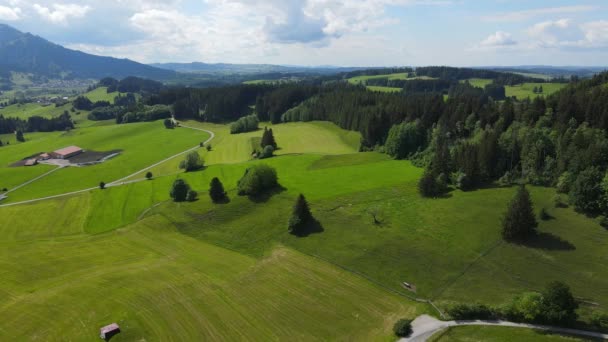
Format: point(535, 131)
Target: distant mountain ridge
point(25, 52)
point(215, 68)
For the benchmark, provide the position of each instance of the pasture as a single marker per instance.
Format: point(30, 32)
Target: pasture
point(159, 284)
point(188, 265)
point(499, 334)
point(101, 94)
point(479, 82)
point(526, 90)
point(142, 144)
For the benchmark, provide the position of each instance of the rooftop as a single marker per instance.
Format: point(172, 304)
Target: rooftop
point(68, 150)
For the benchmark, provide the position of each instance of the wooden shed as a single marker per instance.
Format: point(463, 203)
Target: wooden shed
point(108, 331)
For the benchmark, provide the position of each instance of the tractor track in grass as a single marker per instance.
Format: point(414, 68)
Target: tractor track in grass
point(119, 182)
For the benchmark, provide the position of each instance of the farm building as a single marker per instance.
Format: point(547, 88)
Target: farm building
point(109, 331)
point(44, 156)
point(31, 162)
point(67, 152)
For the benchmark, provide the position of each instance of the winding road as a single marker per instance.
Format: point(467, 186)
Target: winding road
point(119, 182)
point(426, 326)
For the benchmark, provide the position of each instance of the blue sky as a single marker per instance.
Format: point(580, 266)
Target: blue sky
point(325, 32)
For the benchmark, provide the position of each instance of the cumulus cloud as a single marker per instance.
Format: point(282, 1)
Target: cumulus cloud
point(498, 39)
point(60, 13)
point(565, 33)
point(9, 13)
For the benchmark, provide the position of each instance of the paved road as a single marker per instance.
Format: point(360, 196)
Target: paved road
point(121, 181)
point(426, 326)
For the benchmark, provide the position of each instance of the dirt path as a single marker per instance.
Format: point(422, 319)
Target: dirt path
point(426, 326)
point(121, 181)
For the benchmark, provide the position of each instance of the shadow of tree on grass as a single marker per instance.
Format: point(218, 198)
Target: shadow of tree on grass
point(550, 242)
point(312, 227)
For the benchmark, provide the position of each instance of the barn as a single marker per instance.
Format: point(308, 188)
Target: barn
point(67, 152)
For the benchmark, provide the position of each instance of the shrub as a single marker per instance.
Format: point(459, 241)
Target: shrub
point(102, 185)
point(543, 214)
point(600, 320)
point(603, 221)
point(192, 162)
point(191, 196)
point(559, 201)
point(428, 186)
point(148, 175)
point(256, 180)
point(168, 123)
point(267, 152)
point(462, 181)
point(470, 311)
point(179, 190)
point(559, 305)
point(208, 147)
point(403, 328)
point(564, 182)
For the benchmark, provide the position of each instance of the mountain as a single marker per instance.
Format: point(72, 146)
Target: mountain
point(224, 68)
point(24, 52)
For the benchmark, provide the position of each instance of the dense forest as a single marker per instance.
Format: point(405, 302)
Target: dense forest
point(35, 124)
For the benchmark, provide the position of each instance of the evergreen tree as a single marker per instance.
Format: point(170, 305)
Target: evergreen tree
point(300, 216)
point(268, 139)
point(519, 222)
point(179, 190)
point(535, 90)
point(428, 186)
point(540, 89)
point(216, 190)
point(19, 136)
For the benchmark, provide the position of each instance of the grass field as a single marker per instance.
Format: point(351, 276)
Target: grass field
point(101, 94)
point(142, 144)
point(525, 90)
point(397, 76)
point(499, 334)
point(479, 82)
point(176, 267)
point(159, 284)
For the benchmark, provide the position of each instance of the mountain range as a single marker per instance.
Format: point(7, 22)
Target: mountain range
point(25, 52)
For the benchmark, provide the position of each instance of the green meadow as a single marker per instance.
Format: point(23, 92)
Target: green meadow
point(526, 90)
point(142, 144)
point(204, 271)
point(499, 334)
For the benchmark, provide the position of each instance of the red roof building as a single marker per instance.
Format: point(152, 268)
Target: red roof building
point(67, 152)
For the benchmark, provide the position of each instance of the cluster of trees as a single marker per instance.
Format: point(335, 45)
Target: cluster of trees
point(144, 113)
point(131, 85)
point(268, 144)
point(538, 90)
point(83, 103)
point(247, 123)
point(181, 192)
point(257, 179)
point(271, 105)
point(457, 74)
point(36, 124)
point(555, 305)
point(192, 162)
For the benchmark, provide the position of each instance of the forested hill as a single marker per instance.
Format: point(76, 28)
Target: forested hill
point(24, 52)
point(469, 139)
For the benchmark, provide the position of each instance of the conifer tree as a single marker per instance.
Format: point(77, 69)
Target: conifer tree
point(216, 190)
point(179, 190)
point(519, 222)
point(300, 216)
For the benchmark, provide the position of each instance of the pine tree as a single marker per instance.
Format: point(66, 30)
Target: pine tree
point(19, 136)
point(427, 186)
point(268, 139)
point(519, 222)
point(216, 190)
point(300, 216)
point(540, 89)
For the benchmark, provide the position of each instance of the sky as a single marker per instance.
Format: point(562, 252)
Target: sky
point(325, 32)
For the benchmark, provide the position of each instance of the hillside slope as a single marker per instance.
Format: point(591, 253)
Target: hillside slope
point(25, 52)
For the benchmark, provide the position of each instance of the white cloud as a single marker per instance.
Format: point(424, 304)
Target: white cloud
point(529, 14)
point(564, 33)
point(596, 33)
point(10, 14)
point(498, 39)
point(60, 13)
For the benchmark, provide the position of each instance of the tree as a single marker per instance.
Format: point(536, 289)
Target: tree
point(168, 123)
point(519, 222)
point(540, 89)
point(192, 162)
point(402, 328)
point(148, 175)
point(256, 180)
point(191, 196)
point(300, 216)
point(586, 191)
point(19, 136)
point(102, 185)
point(179, 190)
point(428, 185)
point(208, 147)
point(559, 305)
point(268, 139)
point(535, 90)
point(216, 190)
